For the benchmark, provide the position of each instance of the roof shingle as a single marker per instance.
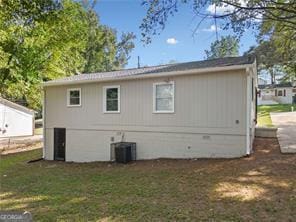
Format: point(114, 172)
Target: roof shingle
point(273, 86)
point(221, 62)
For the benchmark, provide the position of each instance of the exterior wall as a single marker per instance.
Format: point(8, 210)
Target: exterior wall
point(15, 122)
point(266, 102)
point(94, 145)
point(209, 118)
point(268, 96)
point(285, 99)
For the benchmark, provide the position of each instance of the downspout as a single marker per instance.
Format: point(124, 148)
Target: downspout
point(248, 151)
point(43, 122)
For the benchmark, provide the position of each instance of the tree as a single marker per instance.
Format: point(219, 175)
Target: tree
point(103, 51)
point(272, 63)
point(235, 14)
point(225, 47)
point(41, 44)
point(48, 39)
point(267, 60)
point(272, 18)
point(281, 40)
point(124, 48)
point(21, 58)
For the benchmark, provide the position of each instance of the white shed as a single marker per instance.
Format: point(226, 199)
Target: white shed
point(15, 120)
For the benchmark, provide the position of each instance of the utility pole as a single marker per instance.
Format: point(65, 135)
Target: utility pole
point(139, 62)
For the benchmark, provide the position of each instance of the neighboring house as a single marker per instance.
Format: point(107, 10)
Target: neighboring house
point(187, 110)
point(15, 120)
point(283, 93)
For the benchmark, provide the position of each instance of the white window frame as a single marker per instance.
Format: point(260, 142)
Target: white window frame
point(154, 97)
point(105, 98)
point(68, 97)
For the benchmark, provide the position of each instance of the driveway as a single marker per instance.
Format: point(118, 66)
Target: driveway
point(286, 124)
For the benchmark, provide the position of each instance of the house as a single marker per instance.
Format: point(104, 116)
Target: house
point(283, 93)
point(15, 120)
point(187, 110)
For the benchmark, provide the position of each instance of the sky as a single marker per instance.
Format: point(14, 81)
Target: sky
point(176, 42)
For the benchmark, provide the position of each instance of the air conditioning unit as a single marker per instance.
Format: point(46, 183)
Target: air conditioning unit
point(123, 152)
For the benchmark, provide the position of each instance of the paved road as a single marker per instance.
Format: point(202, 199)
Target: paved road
point(286, 124)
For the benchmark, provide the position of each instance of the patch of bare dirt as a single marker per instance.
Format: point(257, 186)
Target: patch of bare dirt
point(21, 148)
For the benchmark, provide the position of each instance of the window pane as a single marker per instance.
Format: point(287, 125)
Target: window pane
point(74, 101)
point(112, 105)
point(74, 93)
point(280, 93)
point(74, 96)
point(164, 104)
point(112, 93)
point(164, 91)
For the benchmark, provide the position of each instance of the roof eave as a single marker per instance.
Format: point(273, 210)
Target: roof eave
point(16, 106)
point(159, 74)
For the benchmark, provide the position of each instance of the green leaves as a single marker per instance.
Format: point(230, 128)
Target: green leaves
point(275, 21)
point(48, 39)
point(225, 47)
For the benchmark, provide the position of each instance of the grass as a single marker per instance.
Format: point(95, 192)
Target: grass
point(265, 110)
point(38, 131)
point(258, 188)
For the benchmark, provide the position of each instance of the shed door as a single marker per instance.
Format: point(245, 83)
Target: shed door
point(59, 143)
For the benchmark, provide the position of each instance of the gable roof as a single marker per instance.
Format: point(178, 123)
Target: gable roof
point(16, 106)
point(169, 68)
point(273, 86)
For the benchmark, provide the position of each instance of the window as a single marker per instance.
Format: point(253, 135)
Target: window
point(74, 97)
point(111, 99)
point(280, 93)
point(163, 97)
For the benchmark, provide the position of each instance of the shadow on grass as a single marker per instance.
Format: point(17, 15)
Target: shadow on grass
point(258, 188)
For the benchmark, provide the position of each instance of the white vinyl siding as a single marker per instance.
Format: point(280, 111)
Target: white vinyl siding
point(203, 124)
point(74, 97)
point(111, 99)
point(204, 103)
point(163, 97)
point(15, 121)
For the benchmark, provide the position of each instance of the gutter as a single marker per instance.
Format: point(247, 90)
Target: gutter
point(144, 76)
point(248, 109)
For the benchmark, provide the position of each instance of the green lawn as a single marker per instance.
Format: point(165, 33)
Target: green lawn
point(259, 188)
point(38, 131)
point(265, 110)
